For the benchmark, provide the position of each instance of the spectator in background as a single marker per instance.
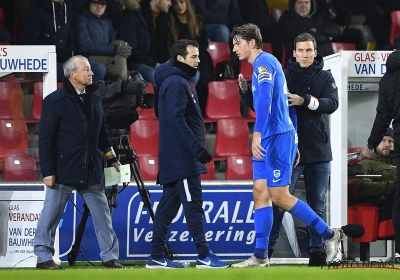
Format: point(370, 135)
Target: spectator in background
point(219, 18)
point(145, 27)
point(388, 111)
point(257, 12)
point(298, 19)
point(378, 191)
point(333, 19)
point(50, 23)
point(185, 24)
point(96, 39)
point(375, 17)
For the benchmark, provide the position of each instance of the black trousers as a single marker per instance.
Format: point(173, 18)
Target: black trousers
point(187, 192)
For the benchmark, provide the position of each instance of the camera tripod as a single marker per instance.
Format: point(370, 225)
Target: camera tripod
point(126, 155)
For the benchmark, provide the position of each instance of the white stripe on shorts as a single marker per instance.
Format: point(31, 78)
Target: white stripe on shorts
point(186, 186)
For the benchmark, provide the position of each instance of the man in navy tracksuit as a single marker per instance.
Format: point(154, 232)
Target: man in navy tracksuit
point(181, 156)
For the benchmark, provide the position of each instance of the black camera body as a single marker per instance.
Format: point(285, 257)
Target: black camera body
point(121, 98)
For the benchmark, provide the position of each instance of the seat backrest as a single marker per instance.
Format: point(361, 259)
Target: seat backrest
point(223, 100)
point(1, 17)
point(19, 168)
point(394, 25)
point(37, 101)
point(232, 138)
point(219, 51)
point(14, 137)
point(11, 106)
point(246, 69)
point(143, 137)
point(148, 166)
point(267, 47)
point(239, 168)
point(211, 172)
point(339, 46)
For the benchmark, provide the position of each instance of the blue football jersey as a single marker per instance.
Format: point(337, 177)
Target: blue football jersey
point(267, 69)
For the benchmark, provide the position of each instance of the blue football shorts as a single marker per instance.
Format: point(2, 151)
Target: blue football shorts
point(277, 165)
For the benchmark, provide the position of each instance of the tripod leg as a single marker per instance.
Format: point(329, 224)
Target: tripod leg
point(72, 255)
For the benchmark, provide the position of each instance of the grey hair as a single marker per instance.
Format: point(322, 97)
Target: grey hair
point(70, 64)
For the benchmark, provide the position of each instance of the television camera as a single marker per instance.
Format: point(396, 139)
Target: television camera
point(121, 99)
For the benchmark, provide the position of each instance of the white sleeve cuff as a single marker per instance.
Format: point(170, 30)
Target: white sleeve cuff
point(314, 103)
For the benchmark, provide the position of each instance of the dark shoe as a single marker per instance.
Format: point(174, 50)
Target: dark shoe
point(317, 258)
point(270, 252)
point(113, 264)
point(48, 265)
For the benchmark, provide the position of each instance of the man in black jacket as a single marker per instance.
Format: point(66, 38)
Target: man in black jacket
point(313, 92)
point(181, 155)
point(388, 109)
point(73, 142)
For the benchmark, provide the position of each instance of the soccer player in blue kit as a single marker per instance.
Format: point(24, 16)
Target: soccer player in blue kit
point(274, 147)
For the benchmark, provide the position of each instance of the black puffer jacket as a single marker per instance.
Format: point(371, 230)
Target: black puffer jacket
point(313, 125)
point(388, 107)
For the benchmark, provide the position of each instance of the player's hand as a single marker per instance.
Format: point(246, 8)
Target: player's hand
point(294, 99)
point(364, 152)
point(116, 165)
point(242, 83)
point(297, 160)
point(256, 148)
point(49, 181)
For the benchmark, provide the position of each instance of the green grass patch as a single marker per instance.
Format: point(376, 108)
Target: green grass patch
point(136, 270)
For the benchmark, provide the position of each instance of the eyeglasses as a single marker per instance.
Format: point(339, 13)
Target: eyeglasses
point(98, 5)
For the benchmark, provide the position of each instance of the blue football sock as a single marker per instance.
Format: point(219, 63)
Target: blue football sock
point(304, 213)
point(263, 219)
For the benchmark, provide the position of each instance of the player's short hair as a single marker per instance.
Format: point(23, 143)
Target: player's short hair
point(305, 37)
point(247, 31)
point(180, 48)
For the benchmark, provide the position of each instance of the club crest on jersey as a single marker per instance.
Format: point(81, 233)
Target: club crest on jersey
point(263, 74)
point(277, 173)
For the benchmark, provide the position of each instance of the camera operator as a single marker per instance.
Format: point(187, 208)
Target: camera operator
point(72, 139)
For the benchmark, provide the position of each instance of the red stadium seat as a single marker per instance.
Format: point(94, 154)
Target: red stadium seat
point(251, 114)
point(338, 46)
point(267, 47)
point(14, 137)
point(11, 101)
point(394, 25)
point(1, 17)
point(37, 101)
point(232, 138)
point(211, 172)
point(149, 88)
point(19, 168)
point(223, 100)
point(239, 168)
point(246, 69)
point(144, 137)
point(219, 51)
point(148, 166)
